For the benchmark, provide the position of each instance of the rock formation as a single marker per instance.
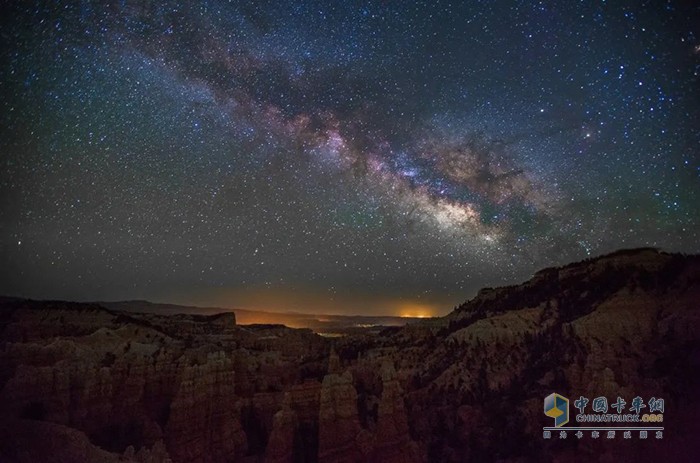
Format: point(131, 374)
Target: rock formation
point(341, 439)
point(203, 423)
point(393, 442)
point(105, 385)
point(280, 446)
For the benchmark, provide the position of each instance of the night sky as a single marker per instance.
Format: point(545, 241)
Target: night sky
point(339, 157)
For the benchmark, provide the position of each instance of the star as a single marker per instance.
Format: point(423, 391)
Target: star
point(194, 154)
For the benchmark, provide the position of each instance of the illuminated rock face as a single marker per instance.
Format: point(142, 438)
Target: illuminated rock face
point(126, 385)
point(341, 438)
point(393, 442)
point(203, 421)
point(100, 385)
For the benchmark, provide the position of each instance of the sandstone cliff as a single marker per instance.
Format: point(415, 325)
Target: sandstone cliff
point(102, 385)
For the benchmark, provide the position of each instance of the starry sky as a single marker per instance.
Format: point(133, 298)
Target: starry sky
point(339, 157)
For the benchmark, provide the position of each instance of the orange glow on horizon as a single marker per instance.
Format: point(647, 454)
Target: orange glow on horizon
point(413, 310)
point(289, 303)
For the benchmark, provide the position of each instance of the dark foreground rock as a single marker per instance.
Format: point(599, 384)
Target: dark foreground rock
point(79, 382)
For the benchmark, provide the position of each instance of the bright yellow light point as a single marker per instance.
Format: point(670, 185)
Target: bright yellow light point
point(413, 310)
point(415, 315)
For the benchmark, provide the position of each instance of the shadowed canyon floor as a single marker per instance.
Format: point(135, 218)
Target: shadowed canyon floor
point(84, 382)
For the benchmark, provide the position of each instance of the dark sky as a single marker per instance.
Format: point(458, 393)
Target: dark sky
point(339, 157)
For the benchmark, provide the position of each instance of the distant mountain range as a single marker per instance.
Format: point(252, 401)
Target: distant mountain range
point(326, 324)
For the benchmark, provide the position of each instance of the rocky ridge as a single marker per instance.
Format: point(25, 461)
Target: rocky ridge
point(103, 385)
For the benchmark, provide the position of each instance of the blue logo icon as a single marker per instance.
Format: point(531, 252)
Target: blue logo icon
point(557, 406)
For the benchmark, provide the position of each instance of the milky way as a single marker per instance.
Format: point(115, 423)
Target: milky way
point(339, 157)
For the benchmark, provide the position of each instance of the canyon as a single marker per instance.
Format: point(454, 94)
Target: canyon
point(89, 382)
